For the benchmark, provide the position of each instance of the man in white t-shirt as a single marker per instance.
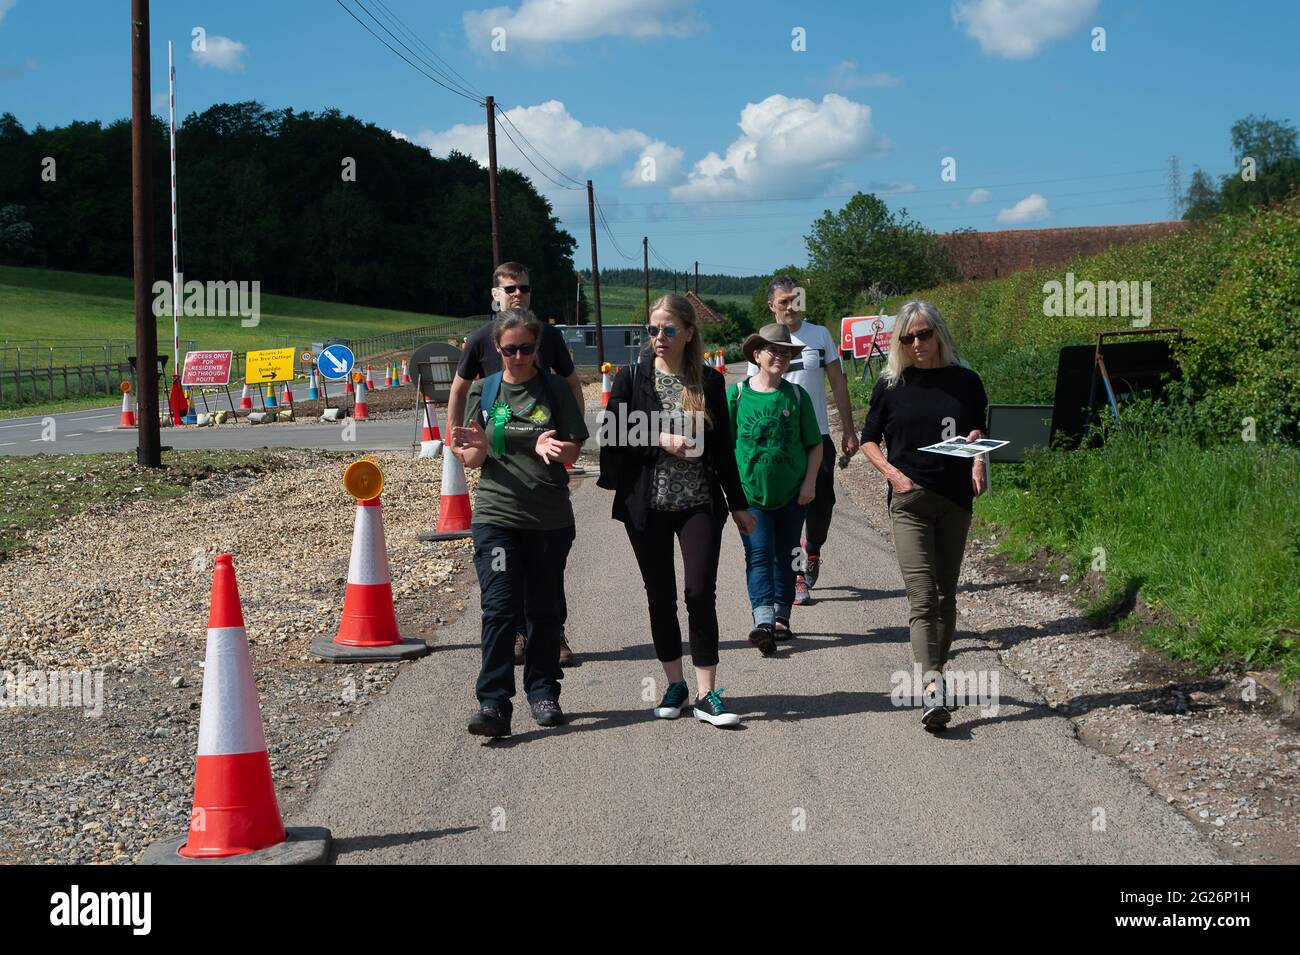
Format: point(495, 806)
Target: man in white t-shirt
point(820, 360)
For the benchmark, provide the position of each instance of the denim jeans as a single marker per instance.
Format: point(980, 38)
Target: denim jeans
point(520, 569)
point(770, 555)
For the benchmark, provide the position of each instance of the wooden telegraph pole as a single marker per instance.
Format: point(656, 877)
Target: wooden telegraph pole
point(492, 180)
point(595, 275)
point(149, 450)
point(645, 271)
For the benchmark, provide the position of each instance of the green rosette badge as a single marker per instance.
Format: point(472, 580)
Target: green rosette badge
point(500, 417)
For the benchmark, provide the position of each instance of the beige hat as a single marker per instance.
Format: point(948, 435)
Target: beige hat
point(773, 334)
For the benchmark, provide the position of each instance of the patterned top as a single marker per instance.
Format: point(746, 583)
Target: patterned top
point(678, 484)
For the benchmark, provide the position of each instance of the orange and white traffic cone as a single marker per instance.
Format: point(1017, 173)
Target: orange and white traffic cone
point(370, 381)
point(606, 384)
point(388, 374)
point(360, 409)
point(406, 374)
point(245, 399)
point(234, 798)
point(368, 630)
point(288, 393)
point(431, 439)
point(127, 419)
point(234, 811)
point(455, 513)
point(722, 361)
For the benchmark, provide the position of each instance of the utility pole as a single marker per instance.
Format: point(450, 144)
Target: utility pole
point(697, 277)
point(595, 275)
point(492, 180)
point(149, 450)
point(645, 266)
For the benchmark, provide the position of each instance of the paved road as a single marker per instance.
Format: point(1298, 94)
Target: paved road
point(820, 745)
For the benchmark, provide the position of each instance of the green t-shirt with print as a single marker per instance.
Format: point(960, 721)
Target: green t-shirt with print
point(774, 432)
point(519, 489)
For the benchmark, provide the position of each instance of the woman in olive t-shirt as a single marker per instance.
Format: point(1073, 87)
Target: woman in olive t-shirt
point(523, 521)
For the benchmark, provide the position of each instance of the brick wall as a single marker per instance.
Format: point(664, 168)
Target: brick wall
point(985, 255)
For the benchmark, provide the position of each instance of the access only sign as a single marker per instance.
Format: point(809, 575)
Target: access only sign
point(203, 368)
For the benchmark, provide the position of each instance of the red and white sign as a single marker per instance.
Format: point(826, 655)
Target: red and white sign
point(206, 368)
point(859, 333)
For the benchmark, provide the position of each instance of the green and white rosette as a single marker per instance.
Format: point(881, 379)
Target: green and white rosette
point(499, 416)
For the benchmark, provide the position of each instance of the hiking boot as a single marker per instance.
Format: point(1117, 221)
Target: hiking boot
point(763, 638)
point(548, 713)
point(488, 721)
point(711, 709)
point(674, 701)
point(812, 568)
point(566, 655)
point(801, 595)
point(519, 649)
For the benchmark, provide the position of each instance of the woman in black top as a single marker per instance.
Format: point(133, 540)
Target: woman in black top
point(667, 453)
point(924, 397)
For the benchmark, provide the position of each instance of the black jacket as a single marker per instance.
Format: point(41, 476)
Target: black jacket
point(629, 471)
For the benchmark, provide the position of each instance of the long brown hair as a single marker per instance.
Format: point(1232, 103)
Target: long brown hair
point(692, 357)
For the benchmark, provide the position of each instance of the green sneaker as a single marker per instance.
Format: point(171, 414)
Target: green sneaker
point(674, 701)
point(711, 709)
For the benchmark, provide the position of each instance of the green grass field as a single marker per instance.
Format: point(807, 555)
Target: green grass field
point(45, 304)
point(625, 304)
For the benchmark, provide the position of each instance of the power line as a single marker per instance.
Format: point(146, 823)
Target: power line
point(365, 26)
point(460, 87)
point(542, 172)
point(577, 183)
point(415, 38)
point(600, 213)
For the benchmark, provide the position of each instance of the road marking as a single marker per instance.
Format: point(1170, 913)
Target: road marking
point(29, 424)
point(75, 434)
point(91, 417)
point(5, 444)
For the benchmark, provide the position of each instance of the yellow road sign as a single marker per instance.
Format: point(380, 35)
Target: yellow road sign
point(274, 364)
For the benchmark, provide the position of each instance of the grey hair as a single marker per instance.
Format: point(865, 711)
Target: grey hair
point(509, 318)
point(900, 356)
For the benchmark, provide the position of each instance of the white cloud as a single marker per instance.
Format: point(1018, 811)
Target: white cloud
point(845, 76)
point(221, 53)
point(786, 144)
point(1032, 208)
point(1017, 29)
point(538, 23)
point(978, 196)
point(658, 165)
point(6, 6)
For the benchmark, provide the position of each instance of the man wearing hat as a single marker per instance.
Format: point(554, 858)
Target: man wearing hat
point(778, 451)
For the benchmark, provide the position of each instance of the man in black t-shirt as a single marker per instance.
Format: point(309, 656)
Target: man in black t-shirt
point(479, 358)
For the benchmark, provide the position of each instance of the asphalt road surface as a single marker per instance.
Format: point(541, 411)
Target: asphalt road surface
point(823, 768)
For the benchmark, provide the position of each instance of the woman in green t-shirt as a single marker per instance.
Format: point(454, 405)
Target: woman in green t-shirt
point(523, 426)
point(778, 450)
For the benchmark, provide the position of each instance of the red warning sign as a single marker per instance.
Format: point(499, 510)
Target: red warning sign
point(206, 368)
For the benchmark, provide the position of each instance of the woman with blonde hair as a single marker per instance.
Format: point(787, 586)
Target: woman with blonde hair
point(923, 397)
point(666, 452)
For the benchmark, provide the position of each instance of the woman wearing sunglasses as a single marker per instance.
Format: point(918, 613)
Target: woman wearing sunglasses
point(666, 452)
point(923, 397)
point(522, 425)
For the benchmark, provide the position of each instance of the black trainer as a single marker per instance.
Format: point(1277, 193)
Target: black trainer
point(935, 718)
point(488, 721)
point(710, 709)
point(548, 713)
point(763, 638)
point(674, 701)
point(781, 630)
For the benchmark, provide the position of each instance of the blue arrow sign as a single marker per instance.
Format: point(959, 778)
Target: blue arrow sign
point(336, 362)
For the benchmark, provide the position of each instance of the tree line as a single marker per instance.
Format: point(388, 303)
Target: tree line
point(1266, 170)
point(316, 205)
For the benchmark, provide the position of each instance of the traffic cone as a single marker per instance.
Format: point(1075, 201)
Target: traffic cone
point(270, 396)
point(360, 409)
point(234, 799)
point(430, 440)
point(127, 420)
point(288, 393)
point(370, 382)
point(235, 812)
point(454, 510)
point(606, 384)
point(406, 375)
point(349, 389)
point(722, 361)
point(191, 416)
point(368, 630)
point(245, 399)
point(313, 394)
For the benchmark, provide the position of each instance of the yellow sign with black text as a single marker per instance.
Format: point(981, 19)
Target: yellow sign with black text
point(274, 364)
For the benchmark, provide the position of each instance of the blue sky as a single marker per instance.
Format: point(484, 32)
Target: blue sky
point(1045, 131)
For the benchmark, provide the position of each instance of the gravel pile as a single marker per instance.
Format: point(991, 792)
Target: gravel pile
point(127, 592)
point(1230, 764)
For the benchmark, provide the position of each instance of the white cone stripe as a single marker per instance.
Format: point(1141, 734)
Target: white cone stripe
point(369, 562)
point(229, 722)
point(453, 474)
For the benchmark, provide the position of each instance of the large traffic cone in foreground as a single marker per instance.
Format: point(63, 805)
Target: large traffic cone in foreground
point(127, 419)
point(245, 399)
point(360, 408)
point(454, 510)
point(235, 812)
point(430, 439)
point(368, 630)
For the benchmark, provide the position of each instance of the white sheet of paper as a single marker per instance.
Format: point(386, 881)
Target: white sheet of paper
point(960, 448)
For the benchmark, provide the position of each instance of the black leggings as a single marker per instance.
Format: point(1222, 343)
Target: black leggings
point(819, 511)
point(700, 536)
